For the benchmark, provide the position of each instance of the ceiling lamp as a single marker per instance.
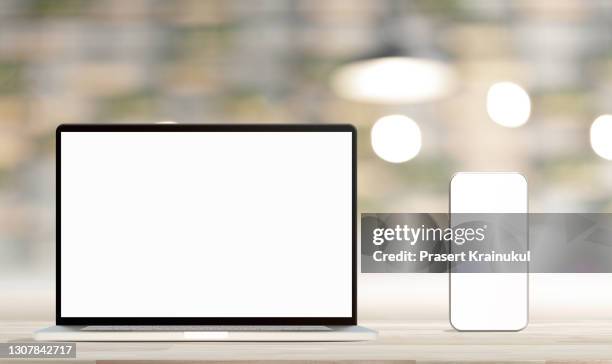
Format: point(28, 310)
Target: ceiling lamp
point(393, 80)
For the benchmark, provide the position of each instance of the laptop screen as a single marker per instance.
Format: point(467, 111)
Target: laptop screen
point(205, 224)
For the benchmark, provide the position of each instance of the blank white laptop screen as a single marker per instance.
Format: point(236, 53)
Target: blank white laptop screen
point(206, 224)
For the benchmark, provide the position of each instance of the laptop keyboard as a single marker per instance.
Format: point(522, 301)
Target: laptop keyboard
point(204, 328)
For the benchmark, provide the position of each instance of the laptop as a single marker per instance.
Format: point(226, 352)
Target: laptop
point(171, 232)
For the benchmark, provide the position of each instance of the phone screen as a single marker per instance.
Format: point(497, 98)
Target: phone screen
point(491, 296)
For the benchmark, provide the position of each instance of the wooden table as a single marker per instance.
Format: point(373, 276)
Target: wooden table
point(583, 341)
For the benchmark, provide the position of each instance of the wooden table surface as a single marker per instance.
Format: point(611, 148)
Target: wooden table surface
point(583, 341)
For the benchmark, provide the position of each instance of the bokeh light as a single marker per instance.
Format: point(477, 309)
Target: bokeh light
point(396, 138)
point(508, 104)
point(601, 136)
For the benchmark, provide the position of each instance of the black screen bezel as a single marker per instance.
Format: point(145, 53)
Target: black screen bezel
point(352, 320)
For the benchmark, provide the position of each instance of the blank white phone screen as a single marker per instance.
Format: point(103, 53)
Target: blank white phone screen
point(489, 301)
point(206, 224)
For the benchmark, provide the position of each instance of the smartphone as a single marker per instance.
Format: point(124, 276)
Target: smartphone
point(490, 296)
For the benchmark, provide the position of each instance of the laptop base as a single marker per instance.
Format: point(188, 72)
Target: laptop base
point(76, 333)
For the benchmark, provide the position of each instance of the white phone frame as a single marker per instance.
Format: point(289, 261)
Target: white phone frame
point(476, 323)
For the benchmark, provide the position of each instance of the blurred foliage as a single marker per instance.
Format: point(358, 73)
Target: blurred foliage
point(185, 43)
point(564, 102)
point(136, 106)
point(57, 8)
point(11, 77)
point(428, 174)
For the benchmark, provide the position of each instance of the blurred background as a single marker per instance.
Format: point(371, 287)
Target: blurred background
point(433, 87)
